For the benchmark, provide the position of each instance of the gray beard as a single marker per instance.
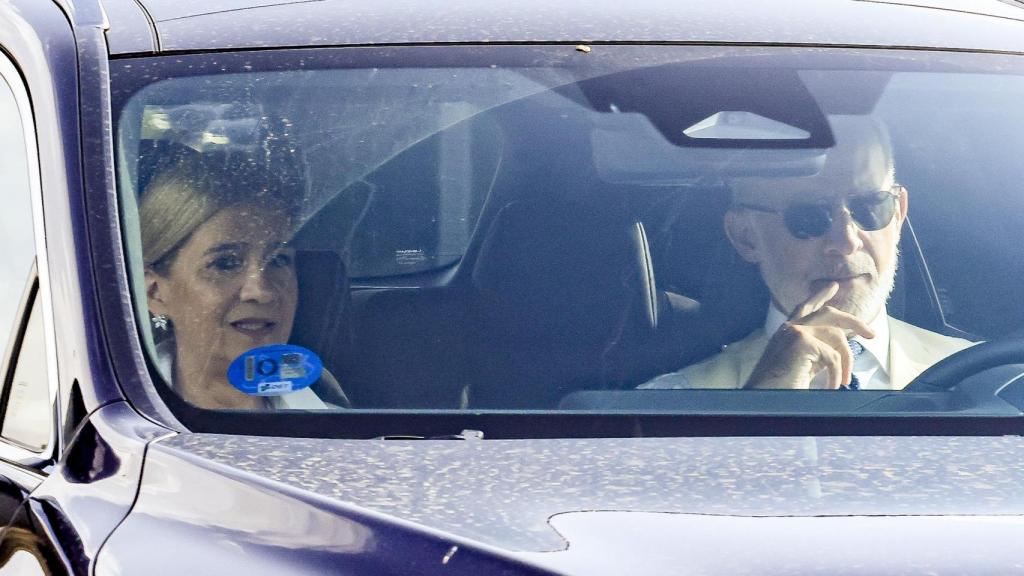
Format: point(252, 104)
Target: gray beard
point(867, 305)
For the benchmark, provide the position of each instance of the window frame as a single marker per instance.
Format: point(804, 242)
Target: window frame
point(394, 423)
point(37, 290)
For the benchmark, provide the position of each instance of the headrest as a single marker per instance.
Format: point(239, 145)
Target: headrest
point(323, 299)
point(565, 272)
point(720, 297)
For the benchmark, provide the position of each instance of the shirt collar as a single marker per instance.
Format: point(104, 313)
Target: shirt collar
point(877, 346)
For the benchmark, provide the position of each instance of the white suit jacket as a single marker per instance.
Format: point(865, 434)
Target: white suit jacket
point(911, 351)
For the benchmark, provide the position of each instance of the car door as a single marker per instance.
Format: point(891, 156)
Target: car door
point(28, 389)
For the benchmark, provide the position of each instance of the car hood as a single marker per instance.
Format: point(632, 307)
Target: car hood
point(529, 495)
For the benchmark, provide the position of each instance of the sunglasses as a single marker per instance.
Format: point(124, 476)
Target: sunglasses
point(811, 220)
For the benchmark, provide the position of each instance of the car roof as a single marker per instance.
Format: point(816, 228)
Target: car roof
point(201, 25)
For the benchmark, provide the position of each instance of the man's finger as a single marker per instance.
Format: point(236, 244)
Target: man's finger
point(816, 301)
point(836, 340)
point(832, 361)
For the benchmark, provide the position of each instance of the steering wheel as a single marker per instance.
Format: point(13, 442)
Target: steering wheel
point(950, 371)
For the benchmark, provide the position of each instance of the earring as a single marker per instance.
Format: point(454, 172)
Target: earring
point(159, 321)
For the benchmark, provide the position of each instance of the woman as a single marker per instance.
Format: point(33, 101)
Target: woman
point(220, 276)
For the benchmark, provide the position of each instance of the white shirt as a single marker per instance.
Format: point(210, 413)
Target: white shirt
point(871, 367)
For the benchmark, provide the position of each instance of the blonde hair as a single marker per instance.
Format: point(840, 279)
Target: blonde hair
point(181, 198)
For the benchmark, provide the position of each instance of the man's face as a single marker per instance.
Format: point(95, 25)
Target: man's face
point(862, 262)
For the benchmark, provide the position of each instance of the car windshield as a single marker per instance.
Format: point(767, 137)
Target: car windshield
point(627, 229)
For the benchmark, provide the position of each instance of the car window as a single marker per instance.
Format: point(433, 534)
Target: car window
point(28, 415)
point(16, 235)
point(630, 228)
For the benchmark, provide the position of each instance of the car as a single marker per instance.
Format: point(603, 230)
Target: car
point(438, 287)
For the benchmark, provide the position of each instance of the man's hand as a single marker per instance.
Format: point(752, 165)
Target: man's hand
point(813, 339)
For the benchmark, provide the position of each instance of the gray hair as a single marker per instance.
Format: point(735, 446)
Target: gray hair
point(863, 149)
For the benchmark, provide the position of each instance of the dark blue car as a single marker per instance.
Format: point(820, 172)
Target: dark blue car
point(450, 287)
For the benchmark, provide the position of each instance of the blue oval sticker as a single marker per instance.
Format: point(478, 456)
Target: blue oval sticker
point(275, 370)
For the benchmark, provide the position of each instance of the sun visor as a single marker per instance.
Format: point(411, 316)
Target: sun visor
point(629, 149)
point(716, 106)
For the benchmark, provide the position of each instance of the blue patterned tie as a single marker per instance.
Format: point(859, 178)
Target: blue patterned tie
point(857, 348)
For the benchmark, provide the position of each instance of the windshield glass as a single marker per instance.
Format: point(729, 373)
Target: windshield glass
point(608, 228)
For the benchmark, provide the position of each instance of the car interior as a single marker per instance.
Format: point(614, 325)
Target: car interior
point(499, 263)
point(567, 283)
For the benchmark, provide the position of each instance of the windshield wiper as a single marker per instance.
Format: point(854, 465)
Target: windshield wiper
point(464, 435)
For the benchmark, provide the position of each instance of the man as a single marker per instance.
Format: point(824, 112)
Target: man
point(826, 247)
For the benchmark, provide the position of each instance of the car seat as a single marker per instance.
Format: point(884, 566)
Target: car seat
point(320, 318)
point(560, 293)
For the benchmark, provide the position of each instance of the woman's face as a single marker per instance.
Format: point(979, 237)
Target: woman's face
point(231, 288)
